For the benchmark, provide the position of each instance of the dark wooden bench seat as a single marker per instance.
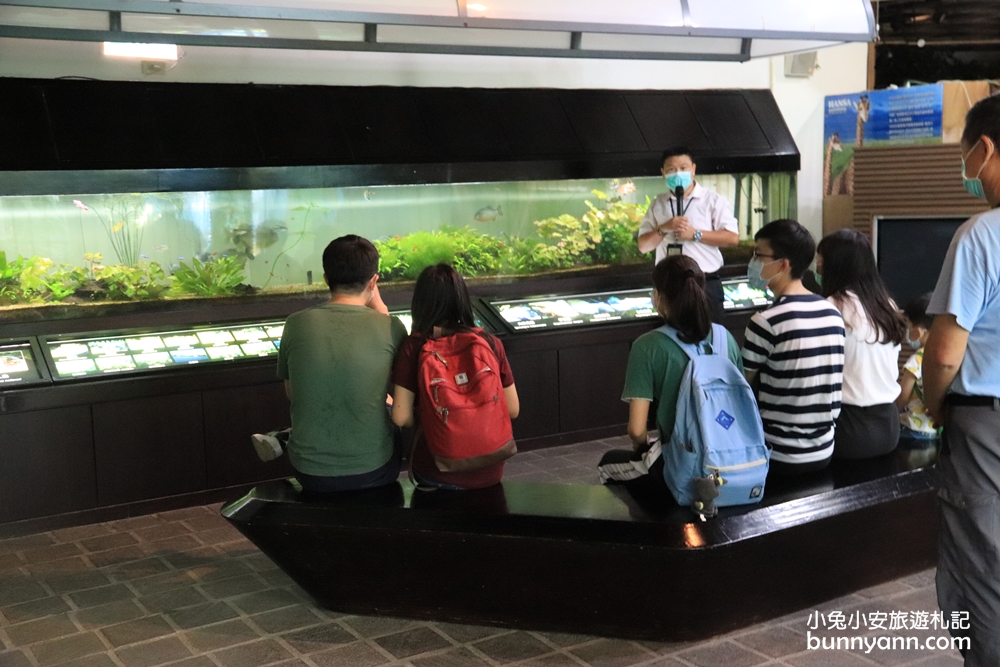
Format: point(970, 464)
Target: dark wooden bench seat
point(590, 559)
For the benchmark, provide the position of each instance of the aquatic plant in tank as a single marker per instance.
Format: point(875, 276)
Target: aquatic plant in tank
point(74, 249)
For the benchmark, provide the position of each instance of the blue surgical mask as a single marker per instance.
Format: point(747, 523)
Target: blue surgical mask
point(914, 343)
point(974, 185)
point(678, 178)
point(754, 269)
point(819, 278)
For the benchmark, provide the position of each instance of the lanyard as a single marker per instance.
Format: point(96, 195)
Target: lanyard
point(683, 210)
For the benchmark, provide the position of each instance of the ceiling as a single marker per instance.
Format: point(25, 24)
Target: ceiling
point(939, 22)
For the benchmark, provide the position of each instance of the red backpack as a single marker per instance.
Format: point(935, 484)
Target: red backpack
point(463, 411)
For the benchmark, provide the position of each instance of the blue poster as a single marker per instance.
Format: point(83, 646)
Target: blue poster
point(876, 118)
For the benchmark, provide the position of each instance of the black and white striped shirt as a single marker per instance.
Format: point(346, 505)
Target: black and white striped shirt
point(797, 348)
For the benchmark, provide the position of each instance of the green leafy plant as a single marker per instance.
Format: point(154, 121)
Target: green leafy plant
point(391, 262)
point(605, 236)
point(23, 280)
point(306, 209)
point(218, 277)
point(66, 281)
point(142, 281)
point(475, 254)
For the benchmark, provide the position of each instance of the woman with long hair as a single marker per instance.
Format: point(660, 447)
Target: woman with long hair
point(656, 365)
point(444, 364)
point(869, 420)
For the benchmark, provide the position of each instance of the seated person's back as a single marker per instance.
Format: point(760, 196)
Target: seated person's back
point(795, 349)
point(337, 357)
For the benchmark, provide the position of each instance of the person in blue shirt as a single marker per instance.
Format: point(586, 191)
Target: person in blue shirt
point(962, 391)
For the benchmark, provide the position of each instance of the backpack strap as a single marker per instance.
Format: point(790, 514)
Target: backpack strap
point(691, 350)
point(720, 340)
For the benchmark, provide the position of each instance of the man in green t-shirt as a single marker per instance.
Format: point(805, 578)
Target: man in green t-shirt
point(335, 360)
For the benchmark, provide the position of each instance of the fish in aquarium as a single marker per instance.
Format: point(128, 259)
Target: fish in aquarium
point(250, 241)
point(163, 247)
point(487, 213)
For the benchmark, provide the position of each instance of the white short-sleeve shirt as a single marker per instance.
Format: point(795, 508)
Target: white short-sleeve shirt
point(706, 210)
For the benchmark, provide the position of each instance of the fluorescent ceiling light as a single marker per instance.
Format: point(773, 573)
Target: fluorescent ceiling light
point(134, 50)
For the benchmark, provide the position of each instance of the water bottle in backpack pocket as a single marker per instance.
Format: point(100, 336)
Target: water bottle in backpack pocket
point(717, 436)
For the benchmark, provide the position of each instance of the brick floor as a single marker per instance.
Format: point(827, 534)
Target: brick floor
point(184, 589)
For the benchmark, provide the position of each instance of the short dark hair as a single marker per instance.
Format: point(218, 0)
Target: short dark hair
point(983, 118)
point(674, 151)
point(349, 262)
point(680, 281)
point(916, 311)
point(789, 240)
point(441, 299)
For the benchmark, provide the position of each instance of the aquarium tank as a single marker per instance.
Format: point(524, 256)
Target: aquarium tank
point(83, 249)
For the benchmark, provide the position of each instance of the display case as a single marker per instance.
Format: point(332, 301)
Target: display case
point(574, 311)
point(739, 295)
point(21, 363)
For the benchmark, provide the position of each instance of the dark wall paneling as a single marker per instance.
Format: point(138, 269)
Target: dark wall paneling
point(461, 125)
point(25, 132)
point(768, 116)
point(728, 123)
point(231, 416)
point(149, 448)
point(535, 123)
point(603, 121)
point(202, 126)
point(536, 376)
point(591, 379)
point(46, 463)
point(280, 113)
point(97, 124)
point(382, 125)
point(666, 120)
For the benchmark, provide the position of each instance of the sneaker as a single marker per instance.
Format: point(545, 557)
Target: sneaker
point(268, 447)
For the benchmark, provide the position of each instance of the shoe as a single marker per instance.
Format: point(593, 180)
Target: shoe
point(268, 447)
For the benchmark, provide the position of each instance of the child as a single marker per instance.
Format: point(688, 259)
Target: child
point(442, 309)
point(915, 423)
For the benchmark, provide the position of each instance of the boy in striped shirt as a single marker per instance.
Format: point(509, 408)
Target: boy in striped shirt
point(795, 352)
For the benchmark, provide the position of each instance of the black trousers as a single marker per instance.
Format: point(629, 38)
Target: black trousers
point(713, 287)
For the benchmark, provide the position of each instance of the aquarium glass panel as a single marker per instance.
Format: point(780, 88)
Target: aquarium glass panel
point(738, 295)
point(75, 249)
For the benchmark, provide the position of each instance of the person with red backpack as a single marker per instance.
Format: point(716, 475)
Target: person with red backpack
point(453, 382)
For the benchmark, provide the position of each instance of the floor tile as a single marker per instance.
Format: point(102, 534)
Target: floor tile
point(827, 659)
point(171, 600)
point(98, 596)
point(722, 654)
point(775, 642)
point(227, 588)
point(286, 619)
point(17, 589)
point(109, 614)
point(512, 647)
point(76, 581)
point(412, 642)
point(14, 659)
point(40, 608)
point(78, 533)
point(139, 630)
point(117, 557)
point(318, 638)
point(58, 651)
point(32, 632)
point(36, 541)
point(463, 634)
point(53, 552)
point(157, 652)
point(10, 562)
point(138, 569)
point(161, 531)
point(220, 635)
point(261, 652)
point(375, 626)
point(554, 660)
point(221, 569)
point(267, 600)
point(202, 614)
point(458, 657)
point(107, 542)
point(159, 583)
point(612, 653)
point(95, 660)
point(358, 654)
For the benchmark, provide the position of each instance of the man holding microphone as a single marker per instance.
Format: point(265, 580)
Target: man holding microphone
point(696, 223)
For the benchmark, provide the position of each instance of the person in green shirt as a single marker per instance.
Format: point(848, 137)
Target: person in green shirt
point(656, 365)
point(335, 359)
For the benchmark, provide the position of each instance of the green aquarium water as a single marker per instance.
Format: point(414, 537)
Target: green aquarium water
point(75, 249)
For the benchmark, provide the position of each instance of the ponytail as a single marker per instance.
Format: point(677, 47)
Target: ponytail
point(680, 281)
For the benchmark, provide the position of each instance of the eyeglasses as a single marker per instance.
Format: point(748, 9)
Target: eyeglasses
point(758, 255)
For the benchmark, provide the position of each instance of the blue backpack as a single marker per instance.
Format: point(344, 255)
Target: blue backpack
point(716, 455)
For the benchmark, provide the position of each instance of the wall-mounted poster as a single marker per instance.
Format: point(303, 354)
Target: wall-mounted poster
point(876, 118)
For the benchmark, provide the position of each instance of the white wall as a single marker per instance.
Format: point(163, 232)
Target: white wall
point(843, 69)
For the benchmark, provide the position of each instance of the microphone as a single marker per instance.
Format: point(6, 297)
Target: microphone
point(679, 194)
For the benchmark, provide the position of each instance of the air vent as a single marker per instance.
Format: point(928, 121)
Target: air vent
point(801, 65)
